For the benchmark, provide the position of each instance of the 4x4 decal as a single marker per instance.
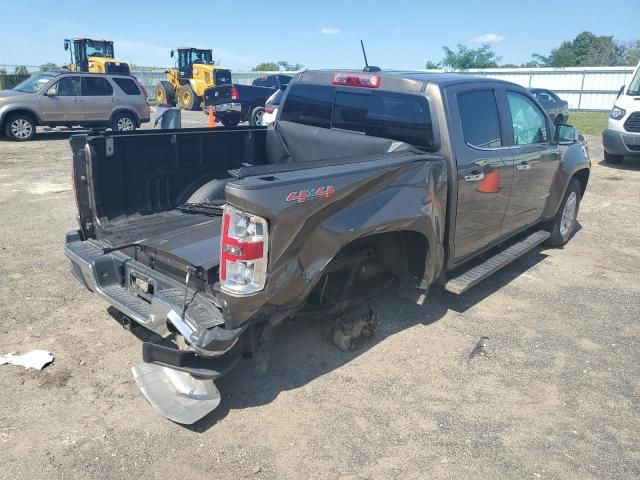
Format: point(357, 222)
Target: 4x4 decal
point(303, 195)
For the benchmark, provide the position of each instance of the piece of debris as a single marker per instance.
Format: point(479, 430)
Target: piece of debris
point(34, 359)
point(356, 324)
point(478, 349)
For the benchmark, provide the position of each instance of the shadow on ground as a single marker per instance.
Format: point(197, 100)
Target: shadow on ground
point(302, 353)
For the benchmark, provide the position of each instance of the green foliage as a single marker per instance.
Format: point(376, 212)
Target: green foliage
point(589, 50)
point(464, 57)
point(48, 66)
point(280, 66)
point(20, 70)
point(591, 123)
point(431, 65)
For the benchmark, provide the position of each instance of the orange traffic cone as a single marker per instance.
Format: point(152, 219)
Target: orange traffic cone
point(212, 117)
point(490, 183)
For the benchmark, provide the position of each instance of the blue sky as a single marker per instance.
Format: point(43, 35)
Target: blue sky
point(319, 34)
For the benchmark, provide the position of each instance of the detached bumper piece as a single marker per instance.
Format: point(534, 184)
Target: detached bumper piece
point(176, 395)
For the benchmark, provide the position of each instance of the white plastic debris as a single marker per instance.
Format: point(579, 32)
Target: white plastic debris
point(34, 359)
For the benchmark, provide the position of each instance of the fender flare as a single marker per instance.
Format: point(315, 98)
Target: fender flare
point(4, 114)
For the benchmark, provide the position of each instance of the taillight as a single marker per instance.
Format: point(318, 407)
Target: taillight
point(357, 80)
point(144, 90)
point(243, 252)
point(268, 108)
point(235, 95)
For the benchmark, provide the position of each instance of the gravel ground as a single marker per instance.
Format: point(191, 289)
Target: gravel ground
point(554, 395)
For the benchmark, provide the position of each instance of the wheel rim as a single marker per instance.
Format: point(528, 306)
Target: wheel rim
point(186, 99)
point(125, 124)
point(257, 118)
point(568, 215)
point(21, 128)
point(159, 96)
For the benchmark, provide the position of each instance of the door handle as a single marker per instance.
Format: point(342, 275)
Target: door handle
point(523, 166)
point(114, 99)
point(474, 177)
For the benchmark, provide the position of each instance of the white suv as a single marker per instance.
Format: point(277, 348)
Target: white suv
point(622, 136)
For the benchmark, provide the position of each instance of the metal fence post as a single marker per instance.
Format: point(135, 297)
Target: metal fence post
point(584, 74)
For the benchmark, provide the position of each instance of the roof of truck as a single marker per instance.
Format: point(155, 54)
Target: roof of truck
point(427, 77)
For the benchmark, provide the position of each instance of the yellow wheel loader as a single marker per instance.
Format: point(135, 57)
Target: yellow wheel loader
point(194, 72)
point(94, 56)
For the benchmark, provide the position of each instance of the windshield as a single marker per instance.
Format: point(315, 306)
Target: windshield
point(203, 57)
point(634, 86)
point(99, 49)
point(35, 83)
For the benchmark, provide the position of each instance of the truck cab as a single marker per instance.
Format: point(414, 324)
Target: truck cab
point(95, 56)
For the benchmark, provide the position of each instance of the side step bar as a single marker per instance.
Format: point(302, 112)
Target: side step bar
point(468, 279)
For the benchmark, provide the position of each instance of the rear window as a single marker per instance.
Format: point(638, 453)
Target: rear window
point(127, 85)
point(223, 77)
point(266, 81)
point(398, 116)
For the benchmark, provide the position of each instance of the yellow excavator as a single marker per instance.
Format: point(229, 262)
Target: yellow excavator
point(94, 56)
point(194, 72)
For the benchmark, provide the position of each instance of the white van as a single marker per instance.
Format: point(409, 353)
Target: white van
point(622, 136)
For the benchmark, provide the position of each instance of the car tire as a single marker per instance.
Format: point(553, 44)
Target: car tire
point(255, 117)
point(165, 92)
point(188, 99)
point(20, 127)
point(613, 159)
point(563, 226)
point(124, 122)
point(230, 121)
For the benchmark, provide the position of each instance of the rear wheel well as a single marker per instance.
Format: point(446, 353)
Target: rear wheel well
point(583, 178)
point(127, 111)
point(368, 264)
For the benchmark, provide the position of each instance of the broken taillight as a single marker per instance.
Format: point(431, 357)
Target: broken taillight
point(243, 252)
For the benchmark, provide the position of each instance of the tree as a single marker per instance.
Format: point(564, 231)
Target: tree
point(465, 57)
point(266, 67)
point(587, 49)
point(290, 67)
point(432, 65)
point(48, 66)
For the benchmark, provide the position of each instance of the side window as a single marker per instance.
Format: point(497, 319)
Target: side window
point(309, 104)
point(69, 87)
point(127, 85)
point(480, 121)
point(529, 123)
point(97, 87)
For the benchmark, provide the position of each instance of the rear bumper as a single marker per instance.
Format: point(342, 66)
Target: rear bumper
point(160, 309)
point(223, 108)
point(618, 143)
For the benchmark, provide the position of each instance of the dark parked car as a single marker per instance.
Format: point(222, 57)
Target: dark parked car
point(240, 103)
point(367, 181)
point(556, 108)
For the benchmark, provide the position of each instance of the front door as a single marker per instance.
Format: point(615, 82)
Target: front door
point(484, 166)
point(98, 98)
point(536, 162)
point(65, 106)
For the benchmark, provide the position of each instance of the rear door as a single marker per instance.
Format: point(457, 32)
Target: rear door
point(536, 161)
point(98, 98)
point(65, 105)
point(484, 164)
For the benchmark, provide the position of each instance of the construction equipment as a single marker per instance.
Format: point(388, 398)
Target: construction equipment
point(195, 71)
point(94, 56)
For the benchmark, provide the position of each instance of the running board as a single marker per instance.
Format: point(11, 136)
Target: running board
point(468, 279)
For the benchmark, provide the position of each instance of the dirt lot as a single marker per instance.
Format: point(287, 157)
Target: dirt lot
point(556, 394)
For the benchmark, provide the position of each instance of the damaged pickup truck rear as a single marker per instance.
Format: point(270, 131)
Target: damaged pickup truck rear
point(212, 237)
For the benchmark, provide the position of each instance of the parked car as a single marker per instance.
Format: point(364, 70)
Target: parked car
point(366, 182)
point(271, 106)
point(240, 103)
point(64, 98)
point(556, 108)
point(622, 135)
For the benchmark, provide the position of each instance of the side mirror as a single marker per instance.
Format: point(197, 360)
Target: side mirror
point(172, 52)
point(52, 92)
point(566, 134)
point(620, 91)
